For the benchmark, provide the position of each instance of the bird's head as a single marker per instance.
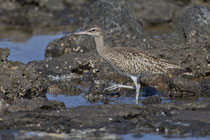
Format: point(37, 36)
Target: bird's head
point(94, 31)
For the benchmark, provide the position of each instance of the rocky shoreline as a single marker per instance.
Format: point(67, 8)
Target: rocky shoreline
point(73, 66)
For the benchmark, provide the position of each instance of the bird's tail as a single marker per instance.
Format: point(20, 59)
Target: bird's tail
point(177, 71)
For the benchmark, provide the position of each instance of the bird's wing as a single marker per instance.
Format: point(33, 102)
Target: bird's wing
point(132, 54)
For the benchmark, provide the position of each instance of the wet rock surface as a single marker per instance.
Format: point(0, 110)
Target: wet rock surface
point(170, 119)
point(73, 67)
point(19, 81)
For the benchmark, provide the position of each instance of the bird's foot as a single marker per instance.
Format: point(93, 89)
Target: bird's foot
point(113, 87)
point(117, 86)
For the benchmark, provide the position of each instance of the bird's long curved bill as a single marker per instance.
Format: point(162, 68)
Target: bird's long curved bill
point(80, 33)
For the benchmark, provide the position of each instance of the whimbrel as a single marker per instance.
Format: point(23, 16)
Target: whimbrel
point(130, 61)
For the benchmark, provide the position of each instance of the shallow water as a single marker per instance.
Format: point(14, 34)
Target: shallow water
point(70, 101)
point(30, 50)
point(79, 100)
point(85, 134)
point(159, 137)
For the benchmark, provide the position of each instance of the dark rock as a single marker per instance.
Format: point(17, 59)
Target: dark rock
point(31, 15)
point(159, 82)
point(9, 5)
point(195, 25)
point(148, 91)
point(66, 73)
point(52, 4)
point(168, 119)
point(19, 81)
point(33, 104)
point(162, 17)
point(205, 83)
point(152, 100)
point(149, 11)
point(120, 28)
point(68, 44)
point(4, 53)
point(184, 87)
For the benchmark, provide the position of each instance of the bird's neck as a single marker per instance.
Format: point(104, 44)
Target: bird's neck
point(100, 47)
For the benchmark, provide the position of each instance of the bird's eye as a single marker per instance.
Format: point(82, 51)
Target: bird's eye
point(93, 30)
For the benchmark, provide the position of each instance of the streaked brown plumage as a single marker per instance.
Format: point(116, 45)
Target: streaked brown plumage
point(136, 63)
point(130, 61)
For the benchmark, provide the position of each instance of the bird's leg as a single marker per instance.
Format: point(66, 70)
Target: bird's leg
point(116, 86)
point(136, 81)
